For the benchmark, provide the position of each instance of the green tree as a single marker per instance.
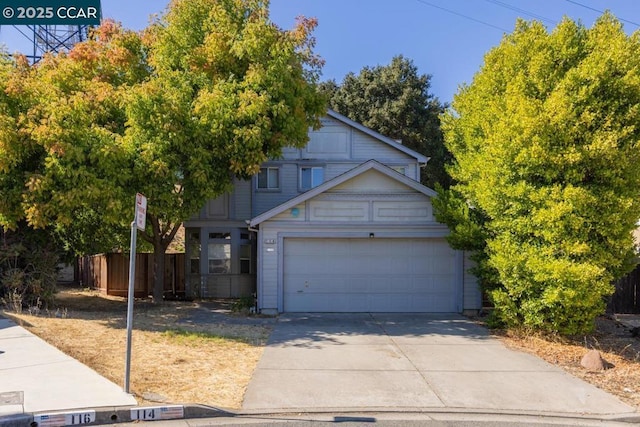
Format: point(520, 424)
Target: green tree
point(394, 100)
point(547, 164)
point(15, 152)
point(229, 90)
point(65, 163)
point(28, 258)
point(205, 94)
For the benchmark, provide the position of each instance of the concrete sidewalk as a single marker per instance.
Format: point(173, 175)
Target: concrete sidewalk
point(36, 377)
point(412, 362)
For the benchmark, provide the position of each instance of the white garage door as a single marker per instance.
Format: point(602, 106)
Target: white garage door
point(370, 275)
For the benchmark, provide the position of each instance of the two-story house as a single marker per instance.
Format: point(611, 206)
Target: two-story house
point(342, 225)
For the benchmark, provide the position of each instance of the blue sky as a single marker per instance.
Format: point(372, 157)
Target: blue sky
point(444, 38)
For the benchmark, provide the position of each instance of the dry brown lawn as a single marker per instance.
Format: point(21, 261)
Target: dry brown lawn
point(208, 363)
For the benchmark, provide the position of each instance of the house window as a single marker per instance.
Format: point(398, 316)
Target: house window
point(268, 179)
point(245, 259)
point(311, 176)
point(400, 169)
point(194, 252)
point(219, 258)
point(226, 236)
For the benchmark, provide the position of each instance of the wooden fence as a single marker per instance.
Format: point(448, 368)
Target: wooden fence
point(626, 298)
point(109, 273)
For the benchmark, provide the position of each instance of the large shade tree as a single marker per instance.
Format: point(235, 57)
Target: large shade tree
point(75, 164)
point(547, 162)
point(229, 90)
point(28, 258)
point(205, 94)
point(64, 165)
point(395, 101)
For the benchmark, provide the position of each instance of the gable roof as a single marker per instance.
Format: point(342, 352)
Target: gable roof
point(408, 151)
point(352, 173)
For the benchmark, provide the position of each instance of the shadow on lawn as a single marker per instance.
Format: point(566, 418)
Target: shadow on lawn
point(175, 318)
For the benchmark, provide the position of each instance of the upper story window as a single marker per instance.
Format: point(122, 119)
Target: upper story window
point(268, 178)
point(311, 176)
point(400, 169)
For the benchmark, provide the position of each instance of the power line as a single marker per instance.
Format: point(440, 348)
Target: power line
point(524, 12)
point(463, 16)
point(601, 11)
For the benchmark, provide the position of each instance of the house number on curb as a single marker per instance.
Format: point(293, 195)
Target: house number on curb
point(65, 419)
point(157, 413)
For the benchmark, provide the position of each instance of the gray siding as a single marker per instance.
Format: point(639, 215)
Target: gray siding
point(336, 147)
point(268, 269)
point(289, 182)
point(332, 170)
point(290, 153)
point(366, 147)
point(242, 200)
point(329, 143)
point(233, 206)
point(265, 200)
point(413, 171)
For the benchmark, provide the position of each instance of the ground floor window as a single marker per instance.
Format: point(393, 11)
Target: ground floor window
point(245, 259)
point(219, 258)
point(220, 251)
point(193, 251)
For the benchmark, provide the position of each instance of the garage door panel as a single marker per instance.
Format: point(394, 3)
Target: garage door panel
point(358, 284)
point(402, 264)
point(369, 275)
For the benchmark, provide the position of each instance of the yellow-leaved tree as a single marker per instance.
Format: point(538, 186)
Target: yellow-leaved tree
point(546, 152)
point(205, 94)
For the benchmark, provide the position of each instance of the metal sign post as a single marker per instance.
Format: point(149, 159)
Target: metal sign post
point(138, 223)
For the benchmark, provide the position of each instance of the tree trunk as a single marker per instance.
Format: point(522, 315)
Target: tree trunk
point(161, 237)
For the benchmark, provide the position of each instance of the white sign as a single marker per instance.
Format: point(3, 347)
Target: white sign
point(141, 212)
point(65, 419)
point(158, 413)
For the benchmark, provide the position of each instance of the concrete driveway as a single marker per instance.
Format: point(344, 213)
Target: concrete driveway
point(377, 362)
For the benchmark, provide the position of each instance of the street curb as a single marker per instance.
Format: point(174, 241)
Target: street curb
point(629, 417)
point(123, 414)
point(16, 420)
point(112, 415)
point(116, 415)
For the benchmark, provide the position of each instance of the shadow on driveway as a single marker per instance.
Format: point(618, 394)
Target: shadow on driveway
point(310, 330)
point(396, 362)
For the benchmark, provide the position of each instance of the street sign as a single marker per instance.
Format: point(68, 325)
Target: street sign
point(141, 212)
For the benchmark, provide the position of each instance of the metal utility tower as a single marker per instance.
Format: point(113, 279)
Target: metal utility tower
point(53, 38)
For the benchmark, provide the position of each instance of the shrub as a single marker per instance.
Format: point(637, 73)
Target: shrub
point(28, 268)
